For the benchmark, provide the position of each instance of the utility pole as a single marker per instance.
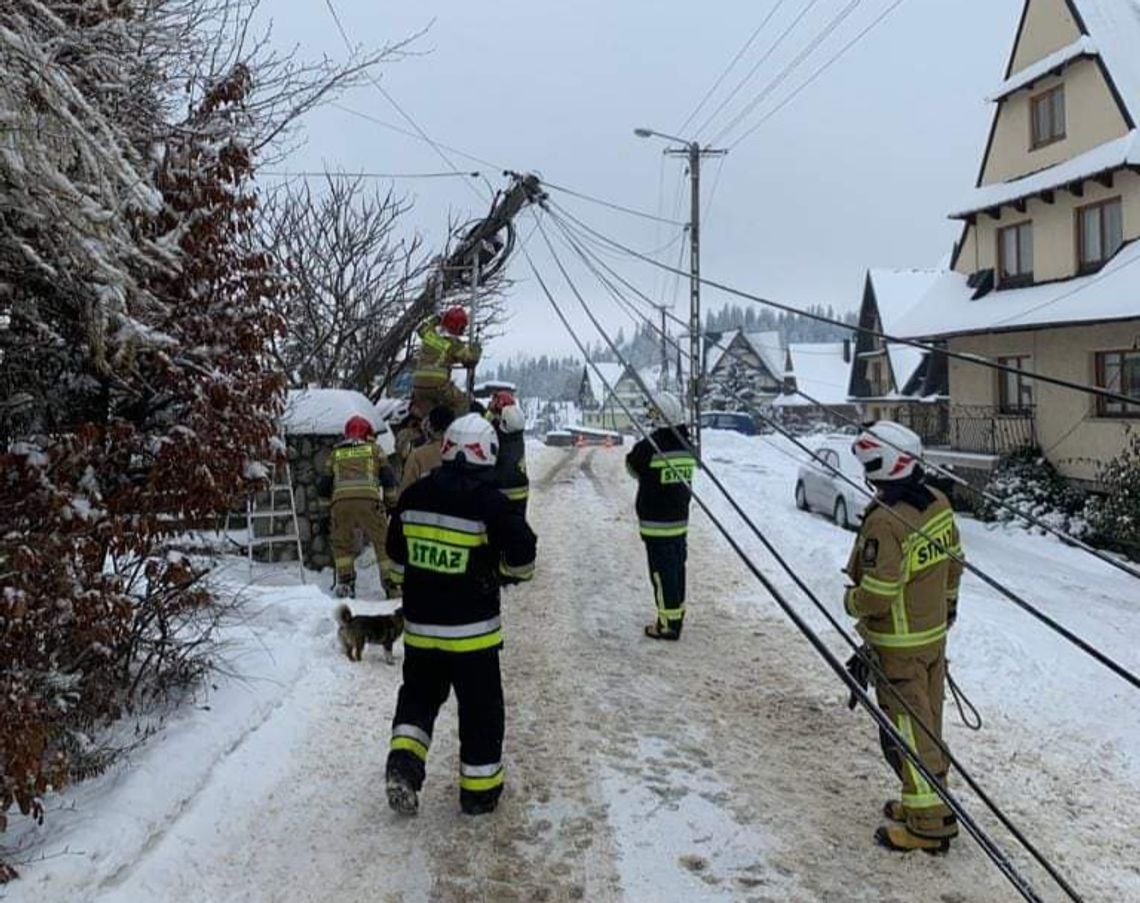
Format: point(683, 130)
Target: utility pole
point(663, 378)
point(694, 152)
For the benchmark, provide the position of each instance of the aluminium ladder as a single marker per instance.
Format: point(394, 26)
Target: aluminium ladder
point(276, 514)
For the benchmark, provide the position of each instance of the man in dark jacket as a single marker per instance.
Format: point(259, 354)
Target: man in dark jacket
point(456, 541)
point(510, 467)
point(664, 466)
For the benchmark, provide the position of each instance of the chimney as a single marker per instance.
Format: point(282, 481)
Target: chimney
point(847, 351)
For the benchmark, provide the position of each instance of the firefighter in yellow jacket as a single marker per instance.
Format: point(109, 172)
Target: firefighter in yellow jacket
point(905, 568)
point(441, 348)
point(361, 484)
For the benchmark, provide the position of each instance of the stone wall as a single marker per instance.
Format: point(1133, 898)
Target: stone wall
point(307, 457)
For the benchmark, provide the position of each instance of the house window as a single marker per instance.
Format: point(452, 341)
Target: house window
point(1015, 391)
point(1015, 255)
point(1047, 115)
point(1118, 371)
point(1100, 233)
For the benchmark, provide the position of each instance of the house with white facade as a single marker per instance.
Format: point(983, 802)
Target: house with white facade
point(816, 378)
point(1042, 278)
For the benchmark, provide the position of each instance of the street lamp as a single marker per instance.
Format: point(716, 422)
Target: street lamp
point(694, 152)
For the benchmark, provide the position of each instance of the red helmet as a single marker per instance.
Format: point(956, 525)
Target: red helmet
point(454, 320)
point(357, 427)
point(502, 399)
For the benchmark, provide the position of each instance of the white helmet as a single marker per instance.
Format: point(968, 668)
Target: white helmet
point(664, 409)
point(470, 440)
point(888, 451)
point(511, 419)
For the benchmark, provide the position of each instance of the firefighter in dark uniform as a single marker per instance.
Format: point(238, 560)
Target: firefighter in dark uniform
point(664, 466)
point(510, 467)
point(361, 484)
point(906, 567)
point(441, 348)
point(457, 541)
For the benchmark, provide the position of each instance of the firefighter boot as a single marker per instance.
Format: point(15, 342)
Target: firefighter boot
point(900, 839)
point(657, 632)
point(402, 796)
point(893, 809)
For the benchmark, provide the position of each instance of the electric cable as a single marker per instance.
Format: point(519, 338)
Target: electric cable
point(604, 203)
point(989, 846)
point(720, 79)
point(993, 583)
point(913, 343)
point(313, 174)
point(873, 666)
point(818, 72)
point(791, 67)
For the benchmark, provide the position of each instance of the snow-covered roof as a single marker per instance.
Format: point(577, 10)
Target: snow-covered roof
point(948, 308)
point(610, 373)
point(905, 362)
point(323, 412)
point(1122, 151)
point(1082, 47)
point(820, 371)
point(897, 292)
point(1115, 27)
point(768, 347)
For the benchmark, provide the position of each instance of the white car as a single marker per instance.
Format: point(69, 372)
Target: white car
point(818, 488)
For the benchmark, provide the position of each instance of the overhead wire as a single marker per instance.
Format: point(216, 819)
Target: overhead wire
point(791, 67)
point(993, 583)
point(822, 318)
point(822, 69)
point(314, 174)
point(724, 74)
point(604, 203)
point(989, 846)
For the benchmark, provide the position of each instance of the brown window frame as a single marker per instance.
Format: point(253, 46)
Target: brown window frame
point(1024, 385)
point(1084, 267)
point(1105, 406)
point(1035, 102)
point(1019, 279)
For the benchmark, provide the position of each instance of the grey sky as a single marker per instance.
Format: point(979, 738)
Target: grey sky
point(858, 170)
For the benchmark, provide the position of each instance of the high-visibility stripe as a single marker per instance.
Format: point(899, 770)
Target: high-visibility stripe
point(352, 452)
point(468, 644)
point(907, 640)
point(433, 340)
point(452, 631)
point(675, 458)
point(442, 534)
point(434, 519)
point(924, 796)
point(516, 493)
point(479, 784)
point(404, 729)
point(519, 572)
point(655, 528)
point(413, 746)
point(880, 587)
point(480, 771)
point(672, 614)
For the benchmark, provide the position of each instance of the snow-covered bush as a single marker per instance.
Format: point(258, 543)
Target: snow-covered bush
point(1114, 514)
point(1027, 482)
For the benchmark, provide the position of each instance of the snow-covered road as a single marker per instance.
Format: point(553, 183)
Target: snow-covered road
point(723, 767)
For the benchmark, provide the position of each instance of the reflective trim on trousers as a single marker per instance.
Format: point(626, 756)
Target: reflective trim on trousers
point(924, 796)
point(656, 529)
point(516, 493)
point(454, 637)
point(412, 739)
point(519, 572)
point(480, 777)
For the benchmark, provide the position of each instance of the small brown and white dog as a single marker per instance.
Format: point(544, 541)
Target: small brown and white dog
point(356, 630)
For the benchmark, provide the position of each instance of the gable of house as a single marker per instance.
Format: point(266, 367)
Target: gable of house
point(818, 374)
point(760, 352)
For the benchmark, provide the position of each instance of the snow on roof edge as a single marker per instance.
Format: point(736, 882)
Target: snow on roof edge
point(1082, 47)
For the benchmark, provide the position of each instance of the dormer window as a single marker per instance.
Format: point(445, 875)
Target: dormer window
point(1047, 117)
point(1015, 255)
point(1100, 233)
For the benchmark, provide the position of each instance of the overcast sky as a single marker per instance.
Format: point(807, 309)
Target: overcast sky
point(856, 171)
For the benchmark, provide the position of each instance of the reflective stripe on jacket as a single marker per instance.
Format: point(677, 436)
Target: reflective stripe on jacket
point(664, 469)
point(438, 352)
point(906, 580)
point(360, 471)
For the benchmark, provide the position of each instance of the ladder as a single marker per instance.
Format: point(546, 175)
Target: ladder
point(279, 514)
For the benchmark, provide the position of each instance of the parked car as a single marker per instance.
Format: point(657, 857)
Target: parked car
point(728, 420)
point(819, 489)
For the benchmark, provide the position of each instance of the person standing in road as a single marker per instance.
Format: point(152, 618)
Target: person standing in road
point(663, 465)
point(510, 467)
point(905, 568)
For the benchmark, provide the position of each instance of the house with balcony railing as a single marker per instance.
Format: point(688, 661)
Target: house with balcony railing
point(1041, 279)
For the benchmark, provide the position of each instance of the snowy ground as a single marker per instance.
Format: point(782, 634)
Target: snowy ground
point(723, 767)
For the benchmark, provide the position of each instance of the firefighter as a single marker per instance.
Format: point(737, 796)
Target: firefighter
point(905, 568)
point(457, 541)
point(510, 469)
point(360, 482)
point(663, 465)
point(441, 348)
point(425, 458)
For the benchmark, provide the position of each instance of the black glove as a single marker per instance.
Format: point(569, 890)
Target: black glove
point(859, 668)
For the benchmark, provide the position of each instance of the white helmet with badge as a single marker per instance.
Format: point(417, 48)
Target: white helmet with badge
point(470, 440)
point(888, 451)
point(665, 409)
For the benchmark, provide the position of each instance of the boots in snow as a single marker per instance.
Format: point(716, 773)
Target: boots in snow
point(402, 795)
point(900, 839)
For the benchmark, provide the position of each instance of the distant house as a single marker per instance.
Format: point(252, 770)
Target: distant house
point(1042, 278)
point(892, 380)
point(743, 370)
point(604, 400)
point(816, 378)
